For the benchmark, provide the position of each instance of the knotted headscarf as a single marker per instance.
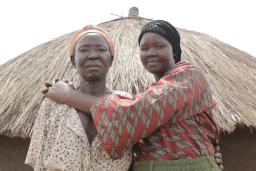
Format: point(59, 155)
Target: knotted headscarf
point(90, 29)
point(167, 31)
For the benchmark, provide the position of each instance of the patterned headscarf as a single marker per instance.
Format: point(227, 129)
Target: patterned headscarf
point(167, 31)
point(90, 29)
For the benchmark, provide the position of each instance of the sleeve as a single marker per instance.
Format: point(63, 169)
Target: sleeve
point(121, 122)
point(35, 154)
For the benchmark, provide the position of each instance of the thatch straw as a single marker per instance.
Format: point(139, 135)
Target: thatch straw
point(231, 72)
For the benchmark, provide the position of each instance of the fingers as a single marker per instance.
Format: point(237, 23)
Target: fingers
point(219, 161)
point(47, 84)
point(221, 166)
point(218, 155)
point(71, 85)
point(50, 84)
point(56, 80)
point(44, 91)
point(217, 148)
point(141, 141)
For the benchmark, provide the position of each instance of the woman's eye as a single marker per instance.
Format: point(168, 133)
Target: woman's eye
point(143, 48)
point(159, 46)
point(83, 50)
point(102, 49)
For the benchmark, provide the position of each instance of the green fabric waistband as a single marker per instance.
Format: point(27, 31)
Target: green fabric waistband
point(194, 164)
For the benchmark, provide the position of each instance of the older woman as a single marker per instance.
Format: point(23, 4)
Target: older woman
point(65, 138)
point(173, 116)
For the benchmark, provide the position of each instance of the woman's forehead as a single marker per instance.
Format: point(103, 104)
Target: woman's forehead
point(150, 36)
point(92, 38)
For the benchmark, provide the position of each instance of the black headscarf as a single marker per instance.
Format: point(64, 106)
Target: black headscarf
point(167, 31)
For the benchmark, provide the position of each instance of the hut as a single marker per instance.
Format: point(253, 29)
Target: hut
point(231, 72)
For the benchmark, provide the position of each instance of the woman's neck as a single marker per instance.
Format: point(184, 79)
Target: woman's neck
point(96, 88)
point(158, 76)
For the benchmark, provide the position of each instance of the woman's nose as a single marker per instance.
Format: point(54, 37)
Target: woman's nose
point(93, 55)
point(151, 52)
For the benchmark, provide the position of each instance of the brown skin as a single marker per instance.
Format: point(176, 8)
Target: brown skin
point(156, 56)
point(92, 58)
point(92, 61)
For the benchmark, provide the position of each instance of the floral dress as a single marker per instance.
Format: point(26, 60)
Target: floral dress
point(59, 142)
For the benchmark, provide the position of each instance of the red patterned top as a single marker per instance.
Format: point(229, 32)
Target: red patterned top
point(173, 117)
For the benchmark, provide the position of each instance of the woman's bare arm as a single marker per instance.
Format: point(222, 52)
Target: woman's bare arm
point(63, 92)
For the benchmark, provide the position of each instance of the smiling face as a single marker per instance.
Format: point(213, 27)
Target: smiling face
point(156, 54)
point(92, 57)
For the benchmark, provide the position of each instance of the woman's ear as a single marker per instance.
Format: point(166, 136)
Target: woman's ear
point(73, 61)
point(112, 58)
point(174, 57)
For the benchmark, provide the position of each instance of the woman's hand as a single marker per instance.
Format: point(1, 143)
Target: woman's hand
point(58, 91)
point(218, 159)
point(218, 156)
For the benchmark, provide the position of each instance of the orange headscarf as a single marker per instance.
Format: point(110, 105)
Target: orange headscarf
point(90, 29)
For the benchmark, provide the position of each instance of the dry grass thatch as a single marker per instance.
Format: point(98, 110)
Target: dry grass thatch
point(232, 75)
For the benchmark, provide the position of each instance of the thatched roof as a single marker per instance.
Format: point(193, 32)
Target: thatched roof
point(232, 75)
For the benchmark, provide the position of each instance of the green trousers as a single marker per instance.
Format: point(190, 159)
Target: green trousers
point(197, 164)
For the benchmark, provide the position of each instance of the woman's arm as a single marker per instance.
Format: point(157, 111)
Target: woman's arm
point(63, 92)
point(122, 122)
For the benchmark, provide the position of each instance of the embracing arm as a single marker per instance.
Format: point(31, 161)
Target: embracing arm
point(81, 101)
point(63, 92)
point(122, 122)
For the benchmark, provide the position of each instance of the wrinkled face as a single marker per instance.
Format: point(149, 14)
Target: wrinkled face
point(92, 57)
point(156, 54)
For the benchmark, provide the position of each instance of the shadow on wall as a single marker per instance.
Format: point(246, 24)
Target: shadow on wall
point(12, 154)
point(239, 150)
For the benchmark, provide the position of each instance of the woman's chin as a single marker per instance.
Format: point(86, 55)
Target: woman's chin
point(152, 70)
point(92, 77)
